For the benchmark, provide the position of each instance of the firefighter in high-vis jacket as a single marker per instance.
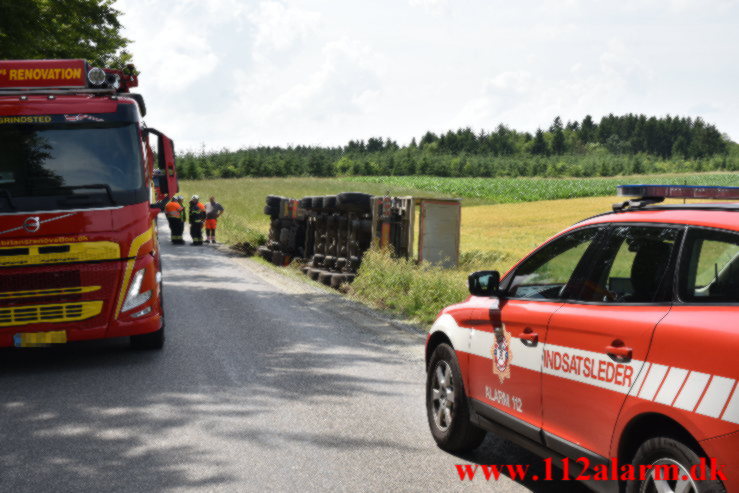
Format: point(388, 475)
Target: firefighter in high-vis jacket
point(174, 212)
point(196, 216)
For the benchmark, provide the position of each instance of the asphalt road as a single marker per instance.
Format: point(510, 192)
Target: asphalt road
point(265, 384)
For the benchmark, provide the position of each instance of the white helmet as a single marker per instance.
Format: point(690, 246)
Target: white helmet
point(195, 197)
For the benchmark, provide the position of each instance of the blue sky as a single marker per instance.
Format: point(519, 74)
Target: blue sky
point(230, 73)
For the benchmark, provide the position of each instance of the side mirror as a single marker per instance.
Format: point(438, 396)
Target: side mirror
point(484, 283)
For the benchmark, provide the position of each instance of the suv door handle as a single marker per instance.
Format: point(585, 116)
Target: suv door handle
point(529, 337)
point(619, 352)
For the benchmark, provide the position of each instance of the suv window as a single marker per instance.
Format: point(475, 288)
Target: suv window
point(710, 270)
point(548, 273)
point(633, 266)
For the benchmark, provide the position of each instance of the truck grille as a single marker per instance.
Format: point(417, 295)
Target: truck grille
point(8, 295)
point(54, 313)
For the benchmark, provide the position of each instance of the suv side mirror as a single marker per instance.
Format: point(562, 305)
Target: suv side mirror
point(484, 283)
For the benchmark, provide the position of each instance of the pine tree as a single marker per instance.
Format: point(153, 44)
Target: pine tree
point(540, 146)
point(558, 136)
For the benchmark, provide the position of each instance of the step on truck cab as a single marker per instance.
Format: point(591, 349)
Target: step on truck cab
point(80, 190)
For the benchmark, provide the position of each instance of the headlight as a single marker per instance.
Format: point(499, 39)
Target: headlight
point(135, 297)
point(96, 76)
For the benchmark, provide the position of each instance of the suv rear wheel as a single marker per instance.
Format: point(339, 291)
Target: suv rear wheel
point(446, 404)
point(673, 456)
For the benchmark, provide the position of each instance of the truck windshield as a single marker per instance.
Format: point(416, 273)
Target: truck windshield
point(93, 161)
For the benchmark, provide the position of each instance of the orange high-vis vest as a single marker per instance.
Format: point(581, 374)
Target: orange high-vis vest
point(173, 209)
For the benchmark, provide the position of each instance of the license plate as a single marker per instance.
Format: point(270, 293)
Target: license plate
point(36, 339)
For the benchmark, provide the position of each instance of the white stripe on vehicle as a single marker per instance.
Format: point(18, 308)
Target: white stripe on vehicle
point(714, 400)
point(692, 391)
point(673, 381)
point(654, 380)
point(732, 410)
point(640, 380)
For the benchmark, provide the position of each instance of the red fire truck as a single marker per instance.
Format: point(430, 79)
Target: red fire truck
point(80, 186)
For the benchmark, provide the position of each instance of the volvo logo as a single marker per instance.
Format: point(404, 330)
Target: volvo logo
point(32, 224)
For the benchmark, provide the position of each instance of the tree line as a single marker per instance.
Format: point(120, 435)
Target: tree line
point(628, 144)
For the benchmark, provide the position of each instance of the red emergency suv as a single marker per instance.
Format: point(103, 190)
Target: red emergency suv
point(79, 256)
point(614, 343)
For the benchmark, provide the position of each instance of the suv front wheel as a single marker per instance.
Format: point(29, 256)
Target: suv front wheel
point(446, 404)
point(669, 456)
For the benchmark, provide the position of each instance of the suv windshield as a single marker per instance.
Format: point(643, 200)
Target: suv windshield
point(81, 164)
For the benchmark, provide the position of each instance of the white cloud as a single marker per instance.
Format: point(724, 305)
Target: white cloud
point(434, 6)
point(278, 26)
point(237, 73)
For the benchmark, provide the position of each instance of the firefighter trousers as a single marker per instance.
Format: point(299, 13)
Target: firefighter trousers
point(176, 227)
point(196, 232)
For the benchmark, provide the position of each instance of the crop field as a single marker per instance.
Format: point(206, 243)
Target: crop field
point(512, 190)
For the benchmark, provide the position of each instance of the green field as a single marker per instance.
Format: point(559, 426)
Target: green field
point(511, 190)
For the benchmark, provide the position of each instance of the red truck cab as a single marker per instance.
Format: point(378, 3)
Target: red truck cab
point(79, 256)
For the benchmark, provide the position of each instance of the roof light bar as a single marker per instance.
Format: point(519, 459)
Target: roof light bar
point(679, 192)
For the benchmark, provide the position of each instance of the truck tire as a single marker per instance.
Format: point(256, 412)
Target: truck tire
point(669, 451)
point(449, 419)
point(329, 202)
point(318, 260)
point(337, 280)
point(274, 201)
point(325, 277)
point(354, 202)
point(317, 203)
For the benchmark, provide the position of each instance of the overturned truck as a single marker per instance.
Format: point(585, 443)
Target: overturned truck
point(331, 233)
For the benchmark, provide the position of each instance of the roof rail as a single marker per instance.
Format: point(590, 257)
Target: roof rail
point(56, 91)
point(636, 204)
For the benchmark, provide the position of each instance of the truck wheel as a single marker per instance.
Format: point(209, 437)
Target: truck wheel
point(337, 280)
point(675, 456)
point(152, 340)
point(354, 202)
point(329, 202)
point(325, 278)
point(446, 404)
point(274, 200)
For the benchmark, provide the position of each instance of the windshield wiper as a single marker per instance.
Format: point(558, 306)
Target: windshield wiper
point(9, 198)
point(96, 186)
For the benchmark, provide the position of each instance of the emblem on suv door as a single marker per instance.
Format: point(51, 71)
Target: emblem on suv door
point(501, 352)
point(32, 224)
